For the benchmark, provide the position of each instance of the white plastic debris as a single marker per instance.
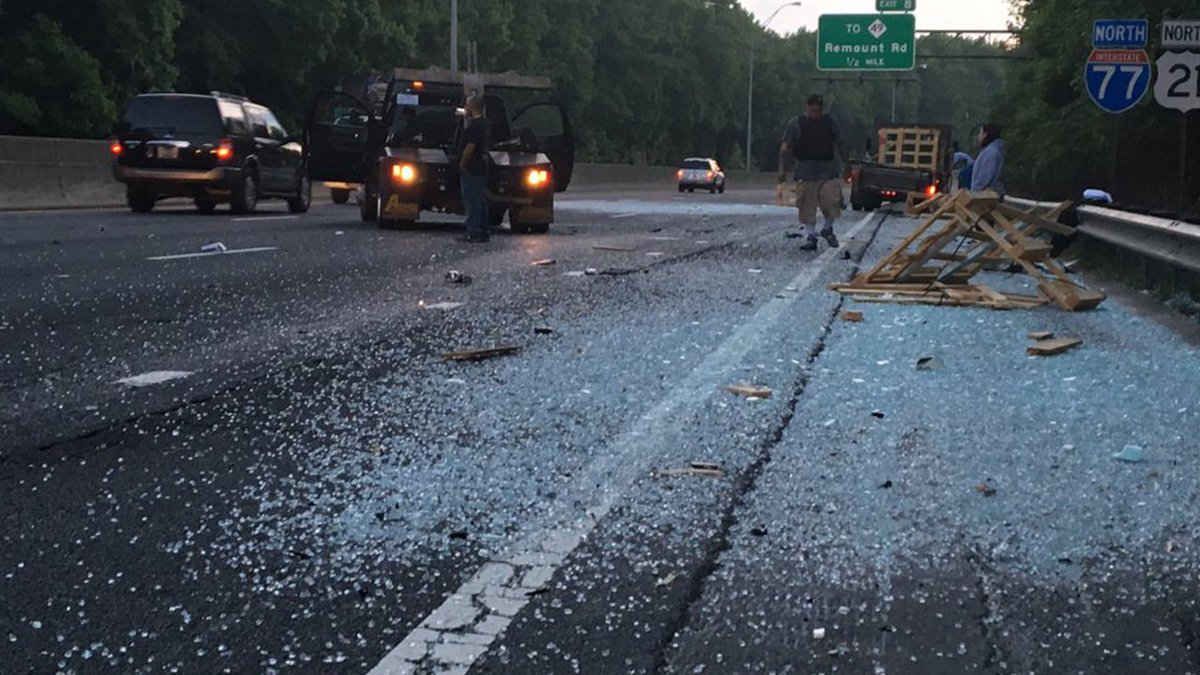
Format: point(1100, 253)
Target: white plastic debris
point(1131, 454)
point(214, 247)
point(445, 306)
point(153, 378)
point(818, 633)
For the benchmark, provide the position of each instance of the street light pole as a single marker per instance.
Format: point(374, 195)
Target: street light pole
point(454, 35)
point(750, 96)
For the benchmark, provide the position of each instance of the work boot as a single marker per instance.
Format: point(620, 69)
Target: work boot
point(830, 237)
point(810, 245)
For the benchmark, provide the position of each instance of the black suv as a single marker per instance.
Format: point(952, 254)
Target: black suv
point(215, 148)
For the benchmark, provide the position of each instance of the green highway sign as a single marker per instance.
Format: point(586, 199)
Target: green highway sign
point(867, 42)
point(896, 5)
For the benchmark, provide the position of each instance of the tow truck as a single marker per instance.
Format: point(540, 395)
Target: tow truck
point(402, 150)
point(913, 160)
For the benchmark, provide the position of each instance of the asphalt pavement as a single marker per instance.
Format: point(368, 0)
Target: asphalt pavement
point(258, 461)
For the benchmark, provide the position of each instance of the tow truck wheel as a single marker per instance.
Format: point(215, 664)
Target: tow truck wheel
point(339, 195)
point(368, 208)
point(303, 199)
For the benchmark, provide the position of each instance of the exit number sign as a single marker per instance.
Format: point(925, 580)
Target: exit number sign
point(895, 5)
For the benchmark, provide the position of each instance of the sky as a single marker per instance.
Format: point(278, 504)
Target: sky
point(931, 14)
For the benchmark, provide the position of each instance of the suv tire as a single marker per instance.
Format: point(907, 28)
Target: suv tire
point(140, 201)
point(205, 204)
point(303, 198)
point(245, 194)
point(368, 208)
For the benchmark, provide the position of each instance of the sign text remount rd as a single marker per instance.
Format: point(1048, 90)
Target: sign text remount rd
point(875, 42)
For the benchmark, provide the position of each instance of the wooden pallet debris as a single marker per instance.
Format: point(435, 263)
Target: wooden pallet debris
point(749, 390)
point(480, 354)
point(1053, 347)
point(852, 316)
point(936, 262)
point(917, 204)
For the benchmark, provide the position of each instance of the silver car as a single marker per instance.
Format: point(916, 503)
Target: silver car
point(703, 173)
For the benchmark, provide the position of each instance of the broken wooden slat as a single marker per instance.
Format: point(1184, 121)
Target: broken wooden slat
point(1041, 335)
point(614, 249)
point(480, 354)
point(749, 390)
point(1053, 347)
point(852, 316)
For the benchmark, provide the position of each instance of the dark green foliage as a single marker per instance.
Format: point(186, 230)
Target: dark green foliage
point(646, 81)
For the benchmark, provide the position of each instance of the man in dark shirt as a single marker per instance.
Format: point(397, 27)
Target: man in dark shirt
point(815, 142)
point(472, 165)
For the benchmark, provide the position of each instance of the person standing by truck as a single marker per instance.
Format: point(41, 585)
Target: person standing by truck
point(472, 164)
point(989, 165)
point(812, 140)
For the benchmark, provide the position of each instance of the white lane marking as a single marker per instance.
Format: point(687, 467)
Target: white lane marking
point(262, 218)
point(154, 377)
point(625, 215)
point(235, 251)
point(461, 630)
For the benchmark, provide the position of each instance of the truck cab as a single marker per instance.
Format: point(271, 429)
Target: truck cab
point(401, 144)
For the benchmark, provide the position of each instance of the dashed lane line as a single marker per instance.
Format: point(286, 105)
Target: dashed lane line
point(460, 631)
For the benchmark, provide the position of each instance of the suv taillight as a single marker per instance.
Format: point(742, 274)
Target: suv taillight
point(116, 148)
point(224, 150)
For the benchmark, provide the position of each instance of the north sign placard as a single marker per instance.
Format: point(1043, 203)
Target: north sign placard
point(867, 42)
point(1117, 79)
point(1178, 84)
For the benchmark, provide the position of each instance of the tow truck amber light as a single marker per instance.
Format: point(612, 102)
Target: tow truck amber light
point(225, 150)
point(538, 177)
point(116, 148)
point(404, 173)
point(418, 85)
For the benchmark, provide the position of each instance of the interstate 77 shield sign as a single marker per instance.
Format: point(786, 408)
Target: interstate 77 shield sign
point(1117, 79)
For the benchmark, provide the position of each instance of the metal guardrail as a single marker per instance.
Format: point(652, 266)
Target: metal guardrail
point(1175, 242)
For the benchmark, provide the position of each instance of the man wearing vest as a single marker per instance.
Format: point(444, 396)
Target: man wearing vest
point(812, 141)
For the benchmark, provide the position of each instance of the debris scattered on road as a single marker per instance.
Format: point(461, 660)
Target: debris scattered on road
point(1132, 454)
point(1041, 335)
point(458, 535)
point(214, 247)
point(339, 233)
point(696, 470)
point(935, 264)
point(667, 580)
point(750, 391)
point(456, 277)
point(754, 271)
point(985, 490)
point(480, 354)
point(543, 330)
point(758, 531)
point(1053, 347)
point(930, 363)
point(886, 485)
point(544, 263)
point(613, 249)
point(794, 235)
point(818, 633)
point(591, 271)
point(829, 423)
point(577, 273)
point(154, 377)
point(877, 414)
point(458, 381)
point(445, 306)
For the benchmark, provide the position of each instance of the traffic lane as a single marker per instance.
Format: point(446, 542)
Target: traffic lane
point(618, 600)
point(979, 521)
point(291, 499)
point(224, 312)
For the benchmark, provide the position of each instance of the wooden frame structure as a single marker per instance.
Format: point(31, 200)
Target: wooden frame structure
point(935, 264)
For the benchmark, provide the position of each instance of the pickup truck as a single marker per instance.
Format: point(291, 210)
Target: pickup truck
point(912, 160)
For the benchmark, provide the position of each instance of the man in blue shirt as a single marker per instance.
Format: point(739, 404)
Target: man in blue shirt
point(815, 142)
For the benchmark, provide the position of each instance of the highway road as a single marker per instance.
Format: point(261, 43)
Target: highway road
point(258, 461)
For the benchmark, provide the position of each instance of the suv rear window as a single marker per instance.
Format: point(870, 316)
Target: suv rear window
point(175, 114)
point(696, 164)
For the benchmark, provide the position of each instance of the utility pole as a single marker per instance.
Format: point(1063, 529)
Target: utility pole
point(750, 97)
point(454, 35)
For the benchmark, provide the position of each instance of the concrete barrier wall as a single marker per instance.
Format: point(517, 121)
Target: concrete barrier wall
point(47, 173)
point(56, 173)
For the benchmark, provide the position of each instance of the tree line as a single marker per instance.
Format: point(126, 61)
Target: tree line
point(647, 82)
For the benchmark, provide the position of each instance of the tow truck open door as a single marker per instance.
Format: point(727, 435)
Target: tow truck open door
point(337, 138)
point(551, 126)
